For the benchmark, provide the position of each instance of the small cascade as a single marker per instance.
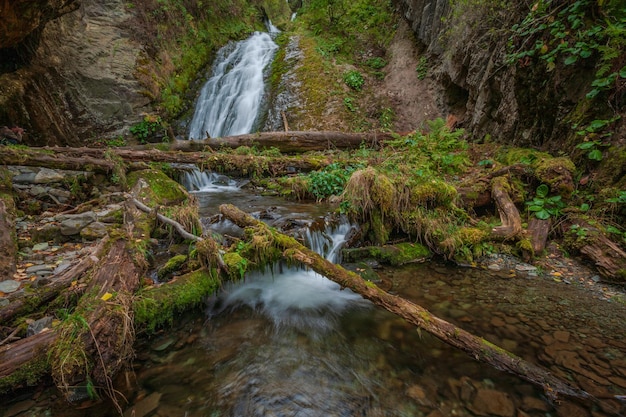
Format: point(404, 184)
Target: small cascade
point(292, 297)
point(231, 100)
point(203, 181)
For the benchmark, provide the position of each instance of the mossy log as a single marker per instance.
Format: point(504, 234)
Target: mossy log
point(8, 239)
point(25, 361)
point(290, 142)
point(58, 283)
point(95, 160)
point(476, 347)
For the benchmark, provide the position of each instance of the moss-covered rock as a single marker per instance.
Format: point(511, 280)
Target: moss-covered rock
point(174, 264)
point(399, 254)
point(157, 188)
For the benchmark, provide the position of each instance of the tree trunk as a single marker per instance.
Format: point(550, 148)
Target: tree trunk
point(538, 230)
point(59, 283)
point(290, 142)
point(476, 347)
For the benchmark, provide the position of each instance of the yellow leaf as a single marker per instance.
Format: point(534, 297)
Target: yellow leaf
point(74, 283)
point(106, 296)
point(556, 274)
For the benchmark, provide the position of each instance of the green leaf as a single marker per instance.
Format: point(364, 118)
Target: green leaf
point(613, 229)
point(595, 155)
point(622, 72)
point(584, 207)
point(542, 191)
point(571, 59)
point(536, 208)
point(543, 215)
point(585, 145)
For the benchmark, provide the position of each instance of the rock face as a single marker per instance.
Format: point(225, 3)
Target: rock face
point(488, 96)
point(79, 81)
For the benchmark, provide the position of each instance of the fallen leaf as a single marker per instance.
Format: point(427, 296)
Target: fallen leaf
point(106, 296)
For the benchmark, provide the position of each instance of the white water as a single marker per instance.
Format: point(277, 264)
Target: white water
point(296, 298)
point(208, 182)
point(230, 101)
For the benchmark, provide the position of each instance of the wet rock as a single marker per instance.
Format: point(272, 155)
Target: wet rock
point(497, 322)
point(9, 286)
point(46, 176)
point(38, 326)
point(561, 336)
point(494, 267)
point(144, 406)
point(534, 404)
point(41, 246)
point(491, 402)
point(94, 231)
point(39, 269)
point(418, 394)
point(72, 224)
point(19, 408)
point(571, 410)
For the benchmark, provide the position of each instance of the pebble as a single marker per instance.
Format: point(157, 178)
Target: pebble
point(40, 246)
point(9, 286)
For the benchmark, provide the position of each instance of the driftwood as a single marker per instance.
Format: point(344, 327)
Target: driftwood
point(52, 290)
point(181, 230)
point(476, 347)
point(509, 214)
point(290, 142)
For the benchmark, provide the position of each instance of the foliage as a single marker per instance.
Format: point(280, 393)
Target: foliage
point(593, 138)
point(386, 118)
point(329, 181)
point(376, 63)
point(422, 68)
point(572, 31)
point(544, 207)
point(147, 128)
point(350, 104)
point(354, 80)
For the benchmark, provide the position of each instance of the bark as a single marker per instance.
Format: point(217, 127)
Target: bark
point(52, 290)
point(476, 347)
point(34, 157)
point(8, 240)
point(509, 215)
point(608, 257)
point(538, 230)
point(17, 355)
point(290, 142)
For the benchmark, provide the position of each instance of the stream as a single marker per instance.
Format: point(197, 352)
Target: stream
point(289, 342)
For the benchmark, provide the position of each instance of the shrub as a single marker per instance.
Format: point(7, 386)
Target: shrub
point(354, 80)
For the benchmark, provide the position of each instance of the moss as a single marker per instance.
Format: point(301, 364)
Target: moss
point(512, 156)
point(379, 230)
point(556, 173)
point(27, 375)
point(433, 193)
point(174, 264)
point(237, 265)
point(157, 306)
point(398, 254)
point(161, 189)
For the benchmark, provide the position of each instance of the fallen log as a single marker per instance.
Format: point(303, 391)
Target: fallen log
point(38, 157)
point(25, 360)
point(474, 346)
point(290, 141)
point(8, 247)
point(52, 290)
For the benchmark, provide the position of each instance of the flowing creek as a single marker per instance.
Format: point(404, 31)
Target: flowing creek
point(289, 342)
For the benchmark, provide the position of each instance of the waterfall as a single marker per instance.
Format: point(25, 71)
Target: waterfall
point(196, 180)
point(230, 101)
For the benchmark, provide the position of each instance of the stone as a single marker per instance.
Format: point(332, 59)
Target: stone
point(494, 267)
point(94, 231)
point(497, 322)
point(62, 266)
point(561, 336)
point(144, 406)
point(9, 286)
point(72, 224)
point(35, 269)
point(568, 409)
point(39, 325)
point(534, 404)
point(40, 246)
point(47, 232)
point(19, 408)
point(46, 176)
point(492, 402)
point(4, 302)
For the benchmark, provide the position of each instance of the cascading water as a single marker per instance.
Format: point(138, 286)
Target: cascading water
point(293, 297)
point(230, 101)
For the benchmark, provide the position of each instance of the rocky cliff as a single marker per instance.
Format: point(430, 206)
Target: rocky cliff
point(468, 43)
point(78, 79)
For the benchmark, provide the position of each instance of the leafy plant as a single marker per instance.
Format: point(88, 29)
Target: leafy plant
point(422, 68)
point(376, 63)
point(544, 207)
point(116, 142)
point(620, 199)
point(386, 118)
point(350, 104)
point(147, 128)
point(354, 80)
point(329, 181)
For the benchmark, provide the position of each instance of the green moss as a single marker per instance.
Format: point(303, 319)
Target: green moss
point(512, 156)
point(399, 254)
point(174, 264)
point(237, 265)
point(158, 306)
point(556, 173)
point(433, 193)
point(160, 189)
point(28, 374)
